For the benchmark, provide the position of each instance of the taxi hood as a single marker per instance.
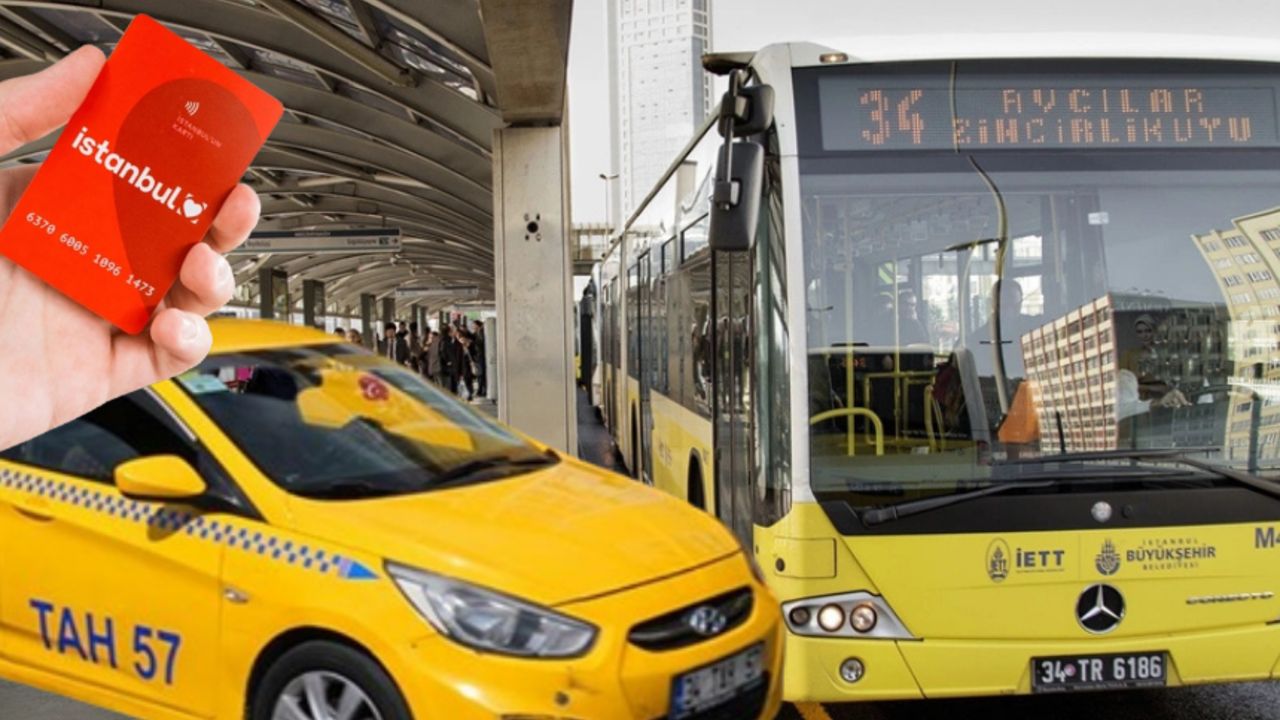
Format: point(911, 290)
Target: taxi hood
point(552, 536)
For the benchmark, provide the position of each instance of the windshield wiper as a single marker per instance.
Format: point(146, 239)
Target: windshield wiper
point(350, 489)
point(888, 513)
point(1033, 481)
point(484, 468)
point(1174, 455)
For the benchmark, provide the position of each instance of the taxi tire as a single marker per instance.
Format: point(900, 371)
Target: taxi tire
point(324, 655)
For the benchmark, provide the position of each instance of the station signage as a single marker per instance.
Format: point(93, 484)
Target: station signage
point(455, 292)
point(322, 242)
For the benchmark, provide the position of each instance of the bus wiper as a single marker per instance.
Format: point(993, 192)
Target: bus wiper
point(473, 470)
point(880, 515)
point(1173, 455)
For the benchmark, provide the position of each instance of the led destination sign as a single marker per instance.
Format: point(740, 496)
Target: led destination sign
point(859, 113)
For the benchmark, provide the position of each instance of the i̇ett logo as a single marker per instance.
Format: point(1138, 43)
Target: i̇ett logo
point(998, 560)
point(1108, 560)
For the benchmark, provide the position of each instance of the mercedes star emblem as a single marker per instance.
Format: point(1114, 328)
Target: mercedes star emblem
point(1100, 609)
point(1101, 511)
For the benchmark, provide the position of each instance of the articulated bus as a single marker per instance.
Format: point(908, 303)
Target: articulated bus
point(994, 393)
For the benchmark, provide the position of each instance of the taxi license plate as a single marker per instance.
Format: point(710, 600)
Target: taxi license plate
point(716, 684)
point(1099, 672)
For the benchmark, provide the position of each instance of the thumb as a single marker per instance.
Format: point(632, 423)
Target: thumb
point(32, 106)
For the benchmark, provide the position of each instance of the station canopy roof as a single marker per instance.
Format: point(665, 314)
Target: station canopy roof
point(390, 111)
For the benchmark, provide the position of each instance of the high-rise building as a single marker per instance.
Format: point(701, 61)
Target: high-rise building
point(660, 92)
point(1245, 263)
point(1075, 363)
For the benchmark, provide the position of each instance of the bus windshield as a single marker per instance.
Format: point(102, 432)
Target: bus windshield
point(1007, 262)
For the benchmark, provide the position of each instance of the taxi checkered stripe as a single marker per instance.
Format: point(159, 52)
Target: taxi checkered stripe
point(192, 524)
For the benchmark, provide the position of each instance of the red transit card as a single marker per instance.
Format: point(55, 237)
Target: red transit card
point(138, 174)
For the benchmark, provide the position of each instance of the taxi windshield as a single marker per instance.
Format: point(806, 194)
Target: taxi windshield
point(1103, 276)
point(336, 422)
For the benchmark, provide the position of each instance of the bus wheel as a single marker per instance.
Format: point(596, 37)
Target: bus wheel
point(695, 492)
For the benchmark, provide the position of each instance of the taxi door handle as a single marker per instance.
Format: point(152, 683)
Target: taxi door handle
point(35, 507)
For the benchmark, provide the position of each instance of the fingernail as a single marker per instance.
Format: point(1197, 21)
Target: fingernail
point(189, 331)
point(224, 273)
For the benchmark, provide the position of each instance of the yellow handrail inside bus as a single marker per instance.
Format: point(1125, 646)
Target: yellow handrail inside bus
point(861, 412)
point(933, 421)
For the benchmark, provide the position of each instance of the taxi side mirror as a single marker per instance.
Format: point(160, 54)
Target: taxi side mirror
point(159, 478)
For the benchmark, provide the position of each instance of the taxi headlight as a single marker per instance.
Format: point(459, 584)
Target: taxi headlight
point(489, 621)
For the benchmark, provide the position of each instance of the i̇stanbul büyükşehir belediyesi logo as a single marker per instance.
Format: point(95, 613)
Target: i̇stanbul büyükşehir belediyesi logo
point(139, 177)
point(1108, 560)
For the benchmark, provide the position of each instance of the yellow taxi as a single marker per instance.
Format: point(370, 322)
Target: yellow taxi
point(300, 530)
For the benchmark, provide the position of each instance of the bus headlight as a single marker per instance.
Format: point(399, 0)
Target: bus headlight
point(863, 618)
point(830, 618)
point(489, 621)
point(851, 615)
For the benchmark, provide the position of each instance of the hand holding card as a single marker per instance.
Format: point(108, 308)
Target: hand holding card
point(57, 359)
point(149, 157)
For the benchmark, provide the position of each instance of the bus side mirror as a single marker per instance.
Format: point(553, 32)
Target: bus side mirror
point(735, 204)
point(751, 109)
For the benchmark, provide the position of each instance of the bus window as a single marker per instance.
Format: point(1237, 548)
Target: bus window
point(697, 390)
point(633, 320)
point(694, 237)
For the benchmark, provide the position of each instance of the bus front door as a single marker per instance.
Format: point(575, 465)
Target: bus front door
point(645, 337)
point(734, 435)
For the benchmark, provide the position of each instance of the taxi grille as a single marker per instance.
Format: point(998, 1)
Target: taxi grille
point(671, 631)
point(746, 706)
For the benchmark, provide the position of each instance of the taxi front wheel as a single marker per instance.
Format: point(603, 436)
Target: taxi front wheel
point(323, 680)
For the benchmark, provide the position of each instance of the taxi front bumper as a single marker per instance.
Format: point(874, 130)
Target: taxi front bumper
point(616, 679)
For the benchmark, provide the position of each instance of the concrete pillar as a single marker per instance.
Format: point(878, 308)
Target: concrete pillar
point(491, 358)
point(313, 303)
point(388, 313)
point(273, 294)
point(367, 333)
point(534, 284)
point(420, 317)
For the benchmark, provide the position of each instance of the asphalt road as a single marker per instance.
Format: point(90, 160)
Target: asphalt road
point(1252, 701)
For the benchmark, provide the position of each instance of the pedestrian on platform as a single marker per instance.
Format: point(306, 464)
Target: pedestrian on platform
point(393, 346)
point(478, 353)
point(449, 364)
point(416, 343)
point(468, 374)
point(431, 358)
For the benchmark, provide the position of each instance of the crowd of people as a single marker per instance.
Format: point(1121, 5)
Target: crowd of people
point(454, 359)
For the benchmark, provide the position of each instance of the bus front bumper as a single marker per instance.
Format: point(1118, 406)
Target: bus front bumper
point(897, 670)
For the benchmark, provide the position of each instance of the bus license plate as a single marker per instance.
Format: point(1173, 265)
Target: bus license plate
point(1099, 672)
point(716, 684)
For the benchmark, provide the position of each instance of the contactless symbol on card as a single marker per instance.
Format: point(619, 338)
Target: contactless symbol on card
point(135, 180)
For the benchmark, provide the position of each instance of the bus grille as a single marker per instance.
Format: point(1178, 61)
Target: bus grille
point(671, 631)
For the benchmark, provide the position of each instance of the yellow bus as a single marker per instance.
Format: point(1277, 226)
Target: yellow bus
point(976, 346)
